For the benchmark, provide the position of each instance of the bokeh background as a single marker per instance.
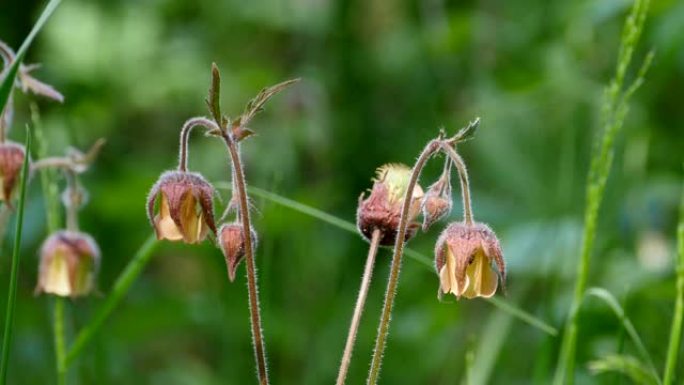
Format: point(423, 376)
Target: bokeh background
point(379, 77)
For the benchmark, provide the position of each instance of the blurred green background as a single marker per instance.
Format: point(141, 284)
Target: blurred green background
point(379, 78)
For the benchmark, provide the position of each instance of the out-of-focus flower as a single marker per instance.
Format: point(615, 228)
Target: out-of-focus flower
point(11, 159)
point(69, 262)
point(463, 258)
point(186, 209)
point(231, 240)
point(382, 209)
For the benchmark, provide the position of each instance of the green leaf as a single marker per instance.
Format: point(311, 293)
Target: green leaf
point(627, 365)
point(256, 105)
point(11, 73)
point(214, 97)
point(467, 132)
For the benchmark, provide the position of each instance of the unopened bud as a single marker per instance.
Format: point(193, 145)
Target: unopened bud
point(437, 202)
point(231, 240)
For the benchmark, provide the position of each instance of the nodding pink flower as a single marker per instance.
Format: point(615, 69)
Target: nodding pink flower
point(231, 240)
point(11, 160)
point(382, 209)
point(186, 209)
point(463, 257)
point(69, 262)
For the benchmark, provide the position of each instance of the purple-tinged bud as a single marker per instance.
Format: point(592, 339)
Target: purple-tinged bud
point(69, 262)
point(186, 209)
point(463, 258)
point(437, 202)
point(231, 240)
point(11, 160)
point(382, 209)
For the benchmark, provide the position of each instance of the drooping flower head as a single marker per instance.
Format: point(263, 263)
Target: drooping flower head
point(464, 257)
point(185, 211)
point(231, 240)
point(11, 160)
point(69, 262)
point(382, 209)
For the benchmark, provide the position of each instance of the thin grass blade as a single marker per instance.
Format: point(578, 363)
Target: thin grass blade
point(11, 73)
point(614, 305)
point(12, 292)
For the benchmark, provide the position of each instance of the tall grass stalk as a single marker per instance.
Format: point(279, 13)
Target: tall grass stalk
point(613, 112)
point(678, 316)
point(14, 275)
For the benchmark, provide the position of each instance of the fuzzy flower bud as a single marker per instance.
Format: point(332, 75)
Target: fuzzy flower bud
point(463, 259)
point(231, 240)
point(186, 209)
point(437, 202)
point(382, 209)
point(11, 160)
point(69, 261)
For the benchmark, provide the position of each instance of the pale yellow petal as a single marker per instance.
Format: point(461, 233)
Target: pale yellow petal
point(190, 219)
point(444, 280)
point(483, 279)
point(56, 281)
point(164, 224)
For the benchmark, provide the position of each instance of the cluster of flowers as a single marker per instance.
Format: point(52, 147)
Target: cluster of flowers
point(69, 258)
point(185, 212)
point(464, 251)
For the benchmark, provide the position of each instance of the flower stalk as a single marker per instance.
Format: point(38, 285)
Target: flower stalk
point(432, 148)
point(358, 309)
point(391, 291)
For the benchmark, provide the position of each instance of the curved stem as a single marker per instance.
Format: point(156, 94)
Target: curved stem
point(463, 177)
point(360, 304)
point(185, 135)
point(59, 340)
point(383, 329)
point(243, 209)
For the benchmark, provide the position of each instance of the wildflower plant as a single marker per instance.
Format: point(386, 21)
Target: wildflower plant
point(184, 200)
point(446, 146)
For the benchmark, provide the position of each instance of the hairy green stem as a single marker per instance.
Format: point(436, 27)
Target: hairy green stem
point(395, 268)
point(121, 287)
point(360, 304)
point(14, 274)
point(252, 286)
point(678, 316)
